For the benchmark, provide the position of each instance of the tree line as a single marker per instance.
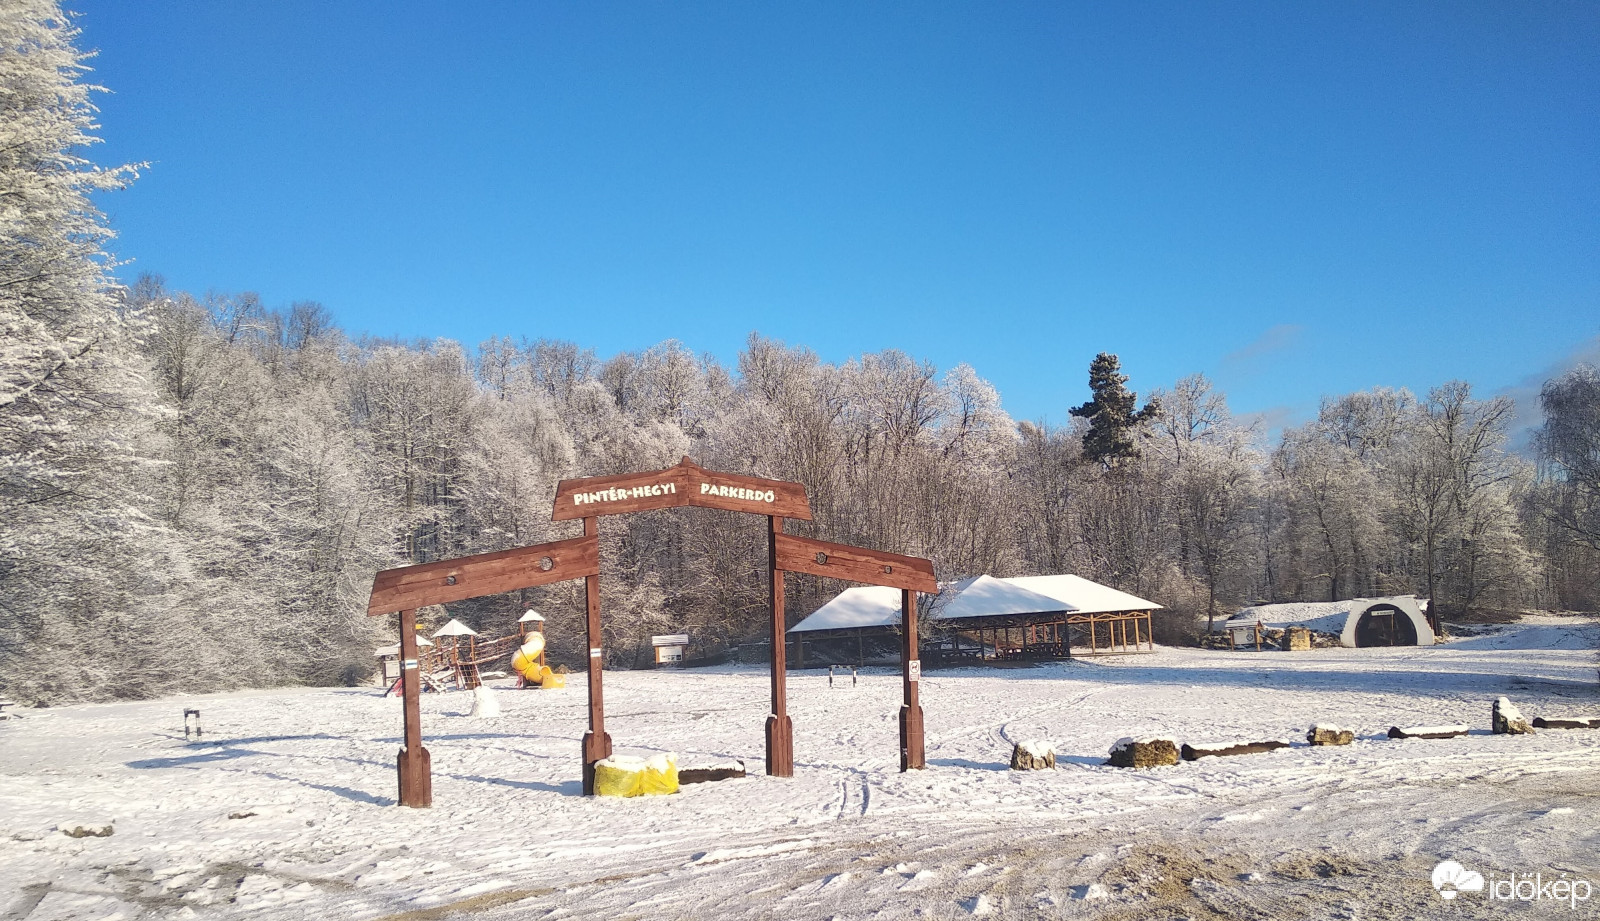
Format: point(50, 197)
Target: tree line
point(196, 491)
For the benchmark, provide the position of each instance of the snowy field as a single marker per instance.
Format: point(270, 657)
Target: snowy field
point(286, 809)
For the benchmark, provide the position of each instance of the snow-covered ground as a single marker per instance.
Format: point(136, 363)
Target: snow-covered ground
point(286, 809)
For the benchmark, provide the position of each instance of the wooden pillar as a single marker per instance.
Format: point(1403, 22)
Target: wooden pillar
point(780, 732)
point(413, 764)
point(911, 738)
point(596, 744)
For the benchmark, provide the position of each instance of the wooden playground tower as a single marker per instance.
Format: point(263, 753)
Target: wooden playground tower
point(405, 589)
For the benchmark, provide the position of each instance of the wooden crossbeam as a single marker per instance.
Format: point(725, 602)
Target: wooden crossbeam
point(854, 564)
point(410, 587)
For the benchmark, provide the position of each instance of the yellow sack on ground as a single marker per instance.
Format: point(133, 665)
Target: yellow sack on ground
point(621, 775)
point(660, 775)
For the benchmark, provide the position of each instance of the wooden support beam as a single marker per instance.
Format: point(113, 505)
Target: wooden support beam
point(596, 743)
point(911, 735)
point(780, 731)
point(413, 763)
point(853, 564)
point(483, 574)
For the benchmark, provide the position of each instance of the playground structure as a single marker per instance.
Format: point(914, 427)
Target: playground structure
point(405, 589)
point(447, 664)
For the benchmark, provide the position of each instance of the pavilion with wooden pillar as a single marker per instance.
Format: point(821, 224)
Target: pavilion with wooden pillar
point(987, 619)
point(405, 589)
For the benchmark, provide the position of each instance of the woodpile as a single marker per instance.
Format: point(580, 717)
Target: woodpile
point(1507, 720)
point(1325, 734)
point(1143, 753)
point(1427, 732)
point(1033, 755)
point(1201, 750)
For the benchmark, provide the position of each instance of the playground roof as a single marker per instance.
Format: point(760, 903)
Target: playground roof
point(532, 615)
point(455, 628)
point(979, 596)
point(394, 649)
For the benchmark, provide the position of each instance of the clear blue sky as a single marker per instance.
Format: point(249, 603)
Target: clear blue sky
point(1296, 199)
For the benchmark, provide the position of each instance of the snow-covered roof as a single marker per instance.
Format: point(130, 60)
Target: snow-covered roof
point(854, 608)
point(986, 596)
point(1325, 616)
point(455, 628)
point(979, 596)
point(1083, 596)
point(1341, 618)
point(394, 649)
point(532, 615)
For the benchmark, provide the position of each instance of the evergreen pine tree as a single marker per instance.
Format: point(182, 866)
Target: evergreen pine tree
point(1111, 415)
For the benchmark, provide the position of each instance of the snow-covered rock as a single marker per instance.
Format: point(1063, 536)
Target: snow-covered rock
point(1143, 753)
point(1033, 755)
point(1329, 734)
point(1507, 719)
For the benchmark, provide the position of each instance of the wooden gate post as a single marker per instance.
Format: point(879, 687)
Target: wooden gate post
point(413, 763)
point(780, 731)
point(911, 743)
point(596, 744)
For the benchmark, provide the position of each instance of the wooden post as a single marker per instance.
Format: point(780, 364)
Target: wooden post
point(780, 731)
point(413, 763)
point(911, 737)
point(596, 744)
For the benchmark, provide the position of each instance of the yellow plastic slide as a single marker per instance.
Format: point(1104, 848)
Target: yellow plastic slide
point(526, 663)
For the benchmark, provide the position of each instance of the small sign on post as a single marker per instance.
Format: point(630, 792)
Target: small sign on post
point(670, 648)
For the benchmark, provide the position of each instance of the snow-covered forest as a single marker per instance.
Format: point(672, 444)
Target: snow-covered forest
point(195, 490)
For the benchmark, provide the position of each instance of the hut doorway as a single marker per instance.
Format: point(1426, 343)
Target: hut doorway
point(1385, 625)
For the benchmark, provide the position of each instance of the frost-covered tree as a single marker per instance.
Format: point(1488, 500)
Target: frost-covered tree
point(74, 401)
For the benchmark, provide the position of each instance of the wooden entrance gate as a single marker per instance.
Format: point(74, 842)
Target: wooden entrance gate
point(405, 589)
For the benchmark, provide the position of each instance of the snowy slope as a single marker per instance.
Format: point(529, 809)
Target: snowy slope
point(1325, 832)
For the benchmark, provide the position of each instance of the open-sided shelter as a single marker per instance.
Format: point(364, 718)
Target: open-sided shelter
point(986, 618)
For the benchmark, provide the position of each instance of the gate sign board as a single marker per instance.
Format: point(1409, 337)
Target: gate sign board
point(685, 484)
point(405, 589)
